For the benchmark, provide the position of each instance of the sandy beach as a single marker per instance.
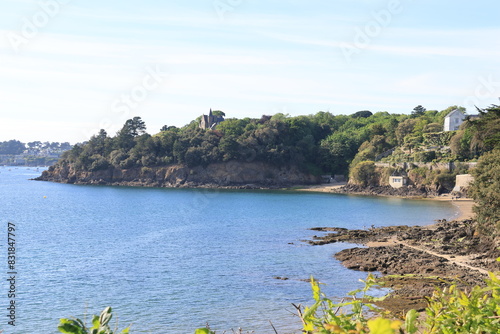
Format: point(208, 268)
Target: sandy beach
point(464, 205)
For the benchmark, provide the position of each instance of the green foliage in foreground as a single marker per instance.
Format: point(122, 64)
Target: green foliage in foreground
point(326, 316)
point(100, 325)
point(476, 311)
point(450, 311)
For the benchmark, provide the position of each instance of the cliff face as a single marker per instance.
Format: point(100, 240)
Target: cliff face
point(230, 174)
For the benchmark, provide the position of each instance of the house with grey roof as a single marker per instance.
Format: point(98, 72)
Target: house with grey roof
point(454, 119)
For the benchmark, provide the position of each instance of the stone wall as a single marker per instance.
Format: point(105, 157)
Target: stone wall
point(450, 166)
point(462, 183)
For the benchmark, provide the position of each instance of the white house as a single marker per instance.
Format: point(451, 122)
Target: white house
point(453, 120)
point(398, 179)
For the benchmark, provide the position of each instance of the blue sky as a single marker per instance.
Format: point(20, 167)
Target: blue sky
point(71, 67)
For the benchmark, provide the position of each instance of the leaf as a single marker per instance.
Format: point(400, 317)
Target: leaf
point(105, 316)
point(383, 326)
point(70, 326)
point(316, 289)
point(311, 311)
point(95, 322)
point(411, 321)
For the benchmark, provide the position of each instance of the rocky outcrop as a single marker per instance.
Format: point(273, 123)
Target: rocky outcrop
point(411, 191)
point(415, 260)
point(231, 174)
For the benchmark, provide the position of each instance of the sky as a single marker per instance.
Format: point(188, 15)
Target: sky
point(71, 67)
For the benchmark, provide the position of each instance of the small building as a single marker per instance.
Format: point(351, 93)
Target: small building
point(326, 178)
point(398, 179)
point(462, 183)
point(453, 120)
point(210, 121)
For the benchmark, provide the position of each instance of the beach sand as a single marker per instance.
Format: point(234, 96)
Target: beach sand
point(464, 205)
point(322, 188)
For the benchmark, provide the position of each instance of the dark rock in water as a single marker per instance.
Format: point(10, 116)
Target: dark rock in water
point(341, 234)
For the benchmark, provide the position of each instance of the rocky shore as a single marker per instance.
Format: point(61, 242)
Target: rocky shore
point(231, 175)
point(413, 261)
point(421, 192)
point(351, 189)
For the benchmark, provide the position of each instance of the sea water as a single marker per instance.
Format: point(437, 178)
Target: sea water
point(172, 260)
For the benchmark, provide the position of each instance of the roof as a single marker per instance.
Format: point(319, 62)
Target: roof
point(399, 172)
point(455, 112)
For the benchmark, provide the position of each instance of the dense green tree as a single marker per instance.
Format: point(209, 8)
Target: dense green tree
point(418, 111)
point(432, 127)
point(486, 130)
point(218, 113)
point(233, 126)
point(460, 145)
point(486, 194)
point(12, 147)
point(369, 150)
point(477, 136)
point(99, 144)
point(362, 113)
point(404, 129)
point(35, 144)
point(363, 174)
point(132, 128)
point(135, 126)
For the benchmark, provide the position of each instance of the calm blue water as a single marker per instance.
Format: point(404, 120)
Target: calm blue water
point(170, 260)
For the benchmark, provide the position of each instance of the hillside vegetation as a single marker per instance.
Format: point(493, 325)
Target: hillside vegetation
point(319, 143)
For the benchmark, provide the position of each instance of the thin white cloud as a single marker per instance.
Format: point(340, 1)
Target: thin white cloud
point(85, 59)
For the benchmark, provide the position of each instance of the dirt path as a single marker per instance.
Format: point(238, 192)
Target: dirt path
point(458, 260)
point(416, 260)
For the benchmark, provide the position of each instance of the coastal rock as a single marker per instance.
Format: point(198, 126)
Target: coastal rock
point(413, 191)
point(233, 174)
point(415, 260)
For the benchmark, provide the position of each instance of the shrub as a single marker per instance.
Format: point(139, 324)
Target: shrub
point(485, 191)
point(364, 174)
point(100, 325)
point(99, 163)
point(450, 311)
point(426, 156)
point(454, 311)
